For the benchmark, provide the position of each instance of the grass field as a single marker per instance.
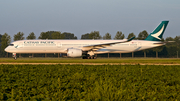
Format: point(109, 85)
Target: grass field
point(99, 60)
point(89, 82)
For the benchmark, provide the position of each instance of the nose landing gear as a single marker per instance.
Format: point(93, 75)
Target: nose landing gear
point(14, 56)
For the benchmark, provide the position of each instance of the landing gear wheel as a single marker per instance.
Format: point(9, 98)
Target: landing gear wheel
point(15, 58)
point(84, 57)
point(89, 57)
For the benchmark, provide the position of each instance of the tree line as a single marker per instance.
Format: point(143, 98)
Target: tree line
point(169, 50)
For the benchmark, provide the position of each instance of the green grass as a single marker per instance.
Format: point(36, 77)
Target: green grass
point(99, 60)
point(89, 82)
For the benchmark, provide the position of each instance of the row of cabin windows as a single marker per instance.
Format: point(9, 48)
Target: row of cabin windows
point(78, 44)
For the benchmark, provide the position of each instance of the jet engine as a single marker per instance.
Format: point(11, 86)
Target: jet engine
point(74, 53)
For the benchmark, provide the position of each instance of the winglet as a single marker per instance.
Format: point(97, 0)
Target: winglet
point(131, 38)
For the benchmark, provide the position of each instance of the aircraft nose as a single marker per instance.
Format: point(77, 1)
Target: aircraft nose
point(7, 49)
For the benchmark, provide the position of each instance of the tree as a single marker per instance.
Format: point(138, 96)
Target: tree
point(57, 35)
point(51, 35)
point(0, 37)
point(31, 36)
point(177, 40)
point(158, 49)
point(95, 35)
point(107, 36)
point(142, 35)
point(119, 35)
point(170, 46)
point(145, 51)
point(169, 39)
point(171, 50)
point(19, 36)
point(5, 41)
point(67, 35)
point(85, 36)
point(131, 35)
point(44, 35)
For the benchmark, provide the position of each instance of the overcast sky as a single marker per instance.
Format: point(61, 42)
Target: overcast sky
point(83, 16)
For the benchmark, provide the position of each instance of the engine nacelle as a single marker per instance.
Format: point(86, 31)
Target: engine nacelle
point(74, 53)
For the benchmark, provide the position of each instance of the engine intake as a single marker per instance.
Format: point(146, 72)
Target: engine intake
point(74, 53)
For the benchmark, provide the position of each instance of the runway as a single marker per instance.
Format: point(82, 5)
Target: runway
point(86, 64)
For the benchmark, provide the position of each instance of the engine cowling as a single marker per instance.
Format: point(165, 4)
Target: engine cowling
point(74, 53)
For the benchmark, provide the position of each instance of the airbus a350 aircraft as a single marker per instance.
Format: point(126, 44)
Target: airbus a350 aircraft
point(88, 48)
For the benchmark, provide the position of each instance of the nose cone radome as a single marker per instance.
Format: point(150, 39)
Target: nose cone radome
point(7, 49)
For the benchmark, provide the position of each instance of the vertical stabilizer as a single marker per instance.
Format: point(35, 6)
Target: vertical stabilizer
point(157, 34)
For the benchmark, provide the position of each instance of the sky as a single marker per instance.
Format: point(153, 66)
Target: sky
point(83, 16)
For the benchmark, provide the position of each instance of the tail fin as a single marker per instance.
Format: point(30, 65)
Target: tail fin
point(157, 34)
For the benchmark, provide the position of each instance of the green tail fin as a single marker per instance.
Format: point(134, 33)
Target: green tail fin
point(157, 34)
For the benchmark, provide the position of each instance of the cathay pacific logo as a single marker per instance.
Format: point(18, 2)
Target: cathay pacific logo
point(156, 35)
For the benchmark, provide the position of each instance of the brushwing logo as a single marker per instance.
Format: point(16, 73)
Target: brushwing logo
point(156, 35)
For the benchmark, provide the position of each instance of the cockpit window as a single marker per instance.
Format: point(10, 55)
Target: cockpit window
point(11, 44)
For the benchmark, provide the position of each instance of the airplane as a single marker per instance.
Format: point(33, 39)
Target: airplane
point(87, 49)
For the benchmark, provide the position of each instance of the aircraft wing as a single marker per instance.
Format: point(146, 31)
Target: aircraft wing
point(103, 45)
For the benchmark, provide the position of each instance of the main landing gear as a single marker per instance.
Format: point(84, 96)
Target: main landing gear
point(89, 57)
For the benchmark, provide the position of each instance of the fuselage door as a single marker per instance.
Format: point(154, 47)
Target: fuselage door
point(59, 45)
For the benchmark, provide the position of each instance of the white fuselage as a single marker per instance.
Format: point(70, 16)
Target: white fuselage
point(61, 46)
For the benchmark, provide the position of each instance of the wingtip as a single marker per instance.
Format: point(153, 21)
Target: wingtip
point(131, 38)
